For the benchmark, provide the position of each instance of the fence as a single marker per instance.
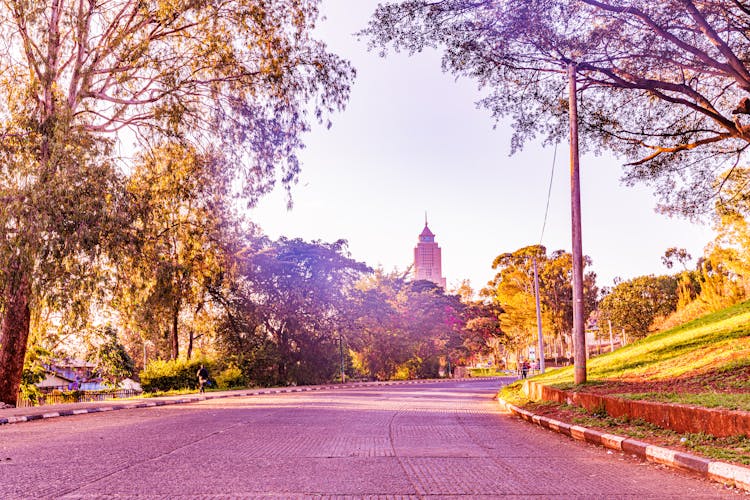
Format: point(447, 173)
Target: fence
point(58, 397)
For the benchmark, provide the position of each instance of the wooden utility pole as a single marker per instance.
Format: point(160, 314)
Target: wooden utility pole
point(579, 333)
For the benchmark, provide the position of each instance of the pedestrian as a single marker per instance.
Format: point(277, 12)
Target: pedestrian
point(202, 378)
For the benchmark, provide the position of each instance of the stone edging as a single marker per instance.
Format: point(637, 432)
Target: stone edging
point(678, 417)
point(194, 399)
point(722, 472)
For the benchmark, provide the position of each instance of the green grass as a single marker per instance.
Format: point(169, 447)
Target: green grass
point(728, 449)
point(710, 352)
point(485, 372)
point(716, 341)
point(704, 399)
point(512, 394)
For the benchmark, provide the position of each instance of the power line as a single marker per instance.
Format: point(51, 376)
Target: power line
point(549, 194)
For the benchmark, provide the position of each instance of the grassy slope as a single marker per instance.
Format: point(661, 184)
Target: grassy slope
point(716, 341)
point(711, 349)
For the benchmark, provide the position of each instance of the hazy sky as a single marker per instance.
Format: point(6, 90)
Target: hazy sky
point(412, 141)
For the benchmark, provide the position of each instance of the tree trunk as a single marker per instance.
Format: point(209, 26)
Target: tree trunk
point(175, 351)
point(14, 335)
point(191, 337)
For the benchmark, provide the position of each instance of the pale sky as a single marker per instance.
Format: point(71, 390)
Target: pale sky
point(411, 140)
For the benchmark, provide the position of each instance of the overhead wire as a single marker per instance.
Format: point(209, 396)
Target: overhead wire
point(549, 194)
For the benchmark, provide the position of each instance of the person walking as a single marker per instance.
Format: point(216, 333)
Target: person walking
point(524, 369)
point(202, 378)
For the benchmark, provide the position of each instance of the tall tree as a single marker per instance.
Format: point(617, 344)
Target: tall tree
point(512, 290)
point(289, 307)
point(482, 333)
point(405, 327)
point(239, 77)
point(378, 337)
point(665, 83)
point(556, 291)
point(183, 217)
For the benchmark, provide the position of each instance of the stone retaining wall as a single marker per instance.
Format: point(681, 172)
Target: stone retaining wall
point(678, 417)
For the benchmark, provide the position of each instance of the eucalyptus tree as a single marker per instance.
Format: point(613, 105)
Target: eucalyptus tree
point(83, 83)
point(512, 290)
point(664, 84)
point(183, 223)
point(556, 292)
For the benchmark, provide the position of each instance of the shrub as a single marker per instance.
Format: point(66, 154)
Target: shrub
point(172, 375)
point(232, 376)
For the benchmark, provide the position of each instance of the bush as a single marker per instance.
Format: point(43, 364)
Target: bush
point(172, 375)
point(232, 376)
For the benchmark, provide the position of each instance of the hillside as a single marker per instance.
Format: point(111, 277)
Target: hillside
point(705, 362)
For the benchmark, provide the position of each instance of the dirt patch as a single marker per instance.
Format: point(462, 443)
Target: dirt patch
point(725, 381)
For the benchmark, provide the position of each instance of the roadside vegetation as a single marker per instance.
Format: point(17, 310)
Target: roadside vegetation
point(709, 355)
point(144, 264)
point(705, 362)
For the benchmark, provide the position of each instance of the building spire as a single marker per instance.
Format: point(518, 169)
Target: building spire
point(425, 217)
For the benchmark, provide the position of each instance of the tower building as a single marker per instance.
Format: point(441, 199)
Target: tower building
point(428, 258)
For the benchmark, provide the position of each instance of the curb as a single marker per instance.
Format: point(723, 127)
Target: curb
point(733, 475)
point(41, 415)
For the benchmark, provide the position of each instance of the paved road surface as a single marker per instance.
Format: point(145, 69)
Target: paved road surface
point(441, 440)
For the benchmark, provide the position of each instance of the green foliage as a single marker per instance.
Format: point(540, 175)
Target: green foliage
point(73, 396)
point(404, 329)
point(112, 361)
point(636, 303)
point(484, 372)
point(33, 372)
point(230, 377)
point(173, 374)
point(240, 83)
point(181, 206)
point(674, 132)
point(288, 309)
point(513, 292)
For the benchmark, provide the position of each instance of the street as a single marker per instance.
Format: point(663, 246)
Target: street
point(438, 440)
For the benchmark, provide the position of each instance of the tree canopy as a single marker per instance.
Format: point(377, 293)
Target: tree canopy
point(86, 86)
point(634, 304)
point(663, 84)
point(512, 289)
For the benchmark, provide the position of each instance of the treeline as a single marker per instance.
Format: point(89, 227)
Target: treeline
point(283, 312)
point(628, 310)
point(718, 279)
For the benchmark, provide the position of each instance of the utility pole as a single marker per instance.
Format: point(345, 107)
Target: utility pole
point(539, 319)
point(579, 333)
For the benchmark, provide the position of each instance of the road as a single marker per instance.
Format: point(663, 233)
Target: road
point(435, 440)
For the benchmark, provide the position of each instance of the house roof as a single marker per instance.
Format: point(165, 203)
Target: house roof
point(53, 380)
point(71, 363)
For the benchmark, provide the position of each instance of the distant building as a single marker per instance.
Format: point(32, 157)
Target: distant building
point(428, 259)
point(70, 374)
